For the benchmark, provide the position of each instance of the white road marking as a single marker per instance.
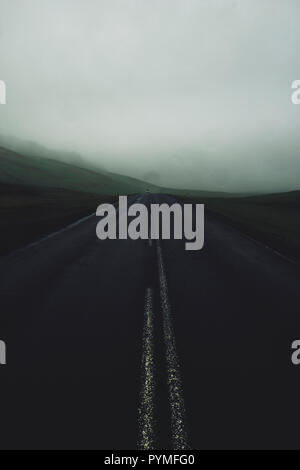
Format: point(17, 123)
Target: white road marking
point(176, 399)
point(146, 416)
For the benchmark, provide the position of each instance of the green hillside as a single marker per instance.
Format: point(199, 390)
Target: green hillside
point(31, 164)
point(34, 171)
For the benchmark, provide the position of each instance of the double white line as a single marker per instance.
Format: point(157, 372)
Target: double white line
point(176, 398)
point(146, 408)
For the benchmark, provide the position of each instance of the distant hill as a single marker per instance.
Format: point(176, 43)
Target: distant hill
point(28, 163)
point(198, 193)
point(16, 168)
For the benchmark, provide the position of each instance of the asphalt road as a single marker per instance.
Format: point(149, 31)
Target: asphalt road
point(120, 344)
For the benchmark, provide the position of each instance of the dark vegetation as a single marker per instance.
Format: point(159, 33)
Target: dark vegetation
point(29, 213)
point(273, 219)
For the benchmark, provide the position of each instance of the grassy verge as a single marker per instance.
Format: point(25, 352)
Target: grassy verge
point(272, 219)
point(29, 213)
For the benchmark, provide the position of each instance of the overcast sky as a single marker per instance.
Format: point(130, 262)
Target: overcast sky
point(193, 93)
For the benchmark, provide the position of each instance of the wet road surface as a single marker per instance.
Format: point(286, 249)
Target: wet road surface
point(120, 344)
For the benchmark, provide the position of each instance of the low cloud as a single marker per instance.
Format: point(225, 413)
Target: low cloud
point(193, 93)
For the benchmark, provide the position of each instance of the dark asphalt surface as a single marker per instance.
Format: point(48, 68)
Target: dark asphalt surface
point(72, 312)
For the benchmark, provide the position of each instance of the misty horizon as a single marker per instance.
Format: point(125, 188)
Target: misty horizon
point(192, 95)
